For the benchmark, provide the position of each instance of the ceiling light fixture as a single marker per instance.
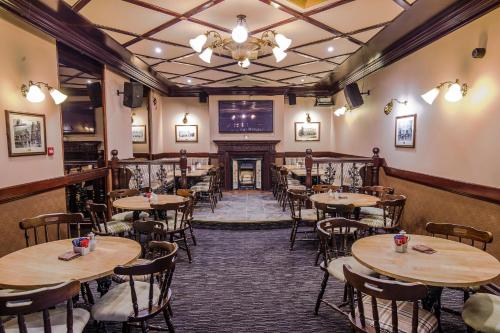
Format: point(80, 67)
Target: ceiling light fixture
point(341, 111)
point(158, 49)
point(33, 92)
point(389, 106)
point(188, 80)
point(242, 47)
point(455, 92)
point(330, 49)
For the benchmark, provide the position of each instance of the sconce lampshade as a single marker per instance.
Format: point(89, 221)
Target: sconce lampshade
point(430, 96)
point(279, 54)
point(341, 111)
point(198, 42)
point(283, 42)
point(206, 55)
point(245, 63)
point(35, 94)
point(454, 93)
point(57, 96)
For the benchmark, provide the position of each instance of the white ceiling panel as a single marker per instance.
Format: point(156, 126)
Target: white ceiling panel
point(120, 38)
point(314, 67)
point(168, 76)
point(302, 80)
point(277, 74)
point(339, 45)
point(80, 81)
point(190, 81)
point(147, 47)
point(339, 59)
point(182, 32)
point(178, 6)
point(367, 35)
point(68, 71)
point(292, 58)
point(252, 69)
point(359, 14)
point(307, 6)
point(150, 61)
point(215, 61)
point(71, 2)
point(123, 15)
point(258, 14)
point(213, 75)
point(177, 68)
point(301, 32)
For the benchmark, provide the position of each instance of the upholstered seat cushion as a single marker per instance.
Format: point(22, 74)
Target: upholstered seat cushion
point(309, 215)
point(375, 221)
point(200, 188)
point(117, 305)
point(297, 187)
point(482, 312)
point(124, 278)
point(336, 267)
point(128, 216)
point(116, 227)
point(34, 321)
point(371, 211)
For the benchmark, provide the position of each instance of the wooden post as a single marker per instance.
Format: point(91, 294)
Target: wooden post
point(309, 165)
point(375, 166)
point(183, 166)
point(115, 170)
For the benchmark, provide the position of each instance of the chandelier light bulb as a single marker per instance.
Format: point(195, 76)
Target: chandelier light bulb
point(430, 96)
point(454, 93)
point(35, 94)
point(240, 32)
point(198, 42)
point(206, 55)
point(245, 63)
point(283, 42)
point(57, 96)
point(279, 54)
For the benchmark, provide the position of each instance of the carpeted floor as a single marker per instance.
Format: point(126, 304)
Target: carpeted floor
point(248, 281)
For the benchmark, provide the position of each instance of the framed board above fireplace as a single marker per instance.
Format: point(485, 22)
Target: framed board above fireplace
point(246, 116)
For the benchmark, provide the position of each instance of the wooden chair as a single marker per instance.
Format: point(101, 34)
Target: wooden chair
point(386, 306)
point(336, 236)
point(207, 190)
point(323, 188)
point(175, 225)
point(482, 310)
point(123, 215)
point(61, 221)
point(288, 184)
point(300, 215)
point(191, 195)
point(36, 310)
point(392, 211)
point(377, 191)
point(135, 303)
point(101, 225)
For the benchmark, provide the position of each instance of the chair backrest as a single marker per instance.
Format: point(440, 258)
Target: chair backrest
point(39, 300)
point(335, 210)
point(61, 221)
point(460, 232)
point(374, 288)
point(179, 210)
point(323, 188)
point(161, 269)
point(121, 193)
point(296, 200)
point(378, 191)
point(393, 206)
point(334, 236)
point(98, 216)
point(147, 231)
point(186, 193)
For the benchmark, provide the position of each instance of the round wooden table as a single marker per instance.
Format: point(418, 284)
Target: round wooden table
point(356, 199)
point(453, 264)
point(39, 266)
point(140, 203)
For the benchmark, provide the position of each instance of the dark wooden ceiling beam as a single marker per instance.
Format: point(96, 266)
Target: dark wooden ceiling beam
point(327, 7)
point(403, 4)
point(79, 5)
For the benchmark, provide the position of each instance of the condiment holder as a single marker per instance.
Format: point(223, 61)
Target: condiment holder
point(401, 242)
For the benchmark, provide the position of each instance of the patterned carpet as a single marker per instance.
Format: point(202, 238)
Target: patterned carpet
point(248, 281)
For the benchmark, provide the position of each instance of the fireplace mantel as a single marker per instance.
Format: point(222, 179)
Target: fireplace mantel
point(229, 149)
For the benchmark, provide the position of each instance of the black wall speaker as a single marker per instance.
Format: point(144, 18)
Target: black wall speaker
point(133, 94)
point(203, 97)
point(353, 95)
point(95, 94)
point(292, 99)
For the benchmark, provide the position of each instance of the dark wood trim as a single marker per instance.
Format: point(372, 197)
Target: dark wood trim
point(481, 192)
point(79, 5)
point(20, 191)
point(264, 91)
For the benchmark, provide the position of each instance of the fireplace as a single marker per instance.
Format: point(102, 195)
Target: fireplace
point(247, 173)
point(262, 152)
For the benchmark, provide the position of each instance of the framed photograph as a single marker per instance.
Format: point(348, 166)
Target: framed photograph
point(405, 131)
point(139, 134)
point(26, 133)
point(186, 133)
point(307, 131)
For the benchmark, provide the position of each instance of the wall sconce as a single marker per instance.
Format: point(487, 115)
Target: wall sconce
point(389, 106)
point(185, 119)
point(132, 117)
point(308, 117)
point(34, 94)
point(341, 111)
point(455, 92)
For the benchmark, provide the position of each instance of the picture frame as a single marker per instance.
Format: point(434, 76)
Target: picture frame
point(307, 131)
point(139, 134)
point(186, 133)
point(405, 131)
point(26, 133)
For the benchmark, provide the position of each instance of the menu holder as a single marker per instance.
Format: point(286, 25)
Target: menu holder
point(423, 248)
point(69, 255)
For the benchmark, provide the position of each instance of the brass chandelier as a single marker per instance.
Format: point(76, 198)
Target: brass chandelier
point(242, 47)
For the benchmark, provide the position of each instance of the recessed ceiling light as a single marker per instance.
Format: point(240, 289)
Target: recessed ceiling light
point(188, 80)
point(301, 80)
point(158, 49)
point(330, 49)
point(89, 81)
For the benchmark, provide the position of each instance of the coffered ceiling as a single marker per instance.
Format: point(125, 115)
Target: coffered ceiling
point(324, 34)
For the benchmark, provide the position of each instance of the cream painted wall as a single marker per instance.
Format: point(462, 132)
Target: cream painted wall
point(118, 117)
point(27, 54)
point(156, 107)
point(453, 140)
point(141, 118)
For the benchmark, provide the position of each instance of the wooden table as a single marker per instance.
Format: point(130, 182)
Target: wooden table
point(39, 266)
point(356, 199)
point(140, 203)
point(453, 265)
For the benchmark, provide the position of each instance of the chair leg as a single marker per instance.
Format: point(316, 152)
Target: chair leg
point(144, 327)
point(294, 234)
point(125, 327)
point(168, 320)
point(321, 292)
point(192, 233)
point(318, 253)
point(187, 246)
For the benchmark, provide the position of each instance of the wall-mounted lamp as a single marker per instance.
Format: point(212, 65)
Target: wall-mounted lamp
point(389, 106)
point(341, 111)
point(185, 119)
point(455, 92)
point(308, 117)
point(132, 117)
point(33, 92)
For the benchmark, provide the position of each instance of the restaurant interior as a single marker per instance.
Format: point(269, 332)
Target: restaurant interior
point(250, 166)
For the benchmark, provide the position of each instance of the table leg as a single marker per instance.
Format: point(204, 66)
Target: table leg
point(432, 302)
point(136, 215)
point(103, 285)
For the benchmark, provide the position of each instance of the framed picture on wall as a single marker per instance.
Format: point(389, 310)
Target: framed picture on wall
point(139, 134)
point(26, 133)
point(307, 131)
point(186, 133)
point(405, 131)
